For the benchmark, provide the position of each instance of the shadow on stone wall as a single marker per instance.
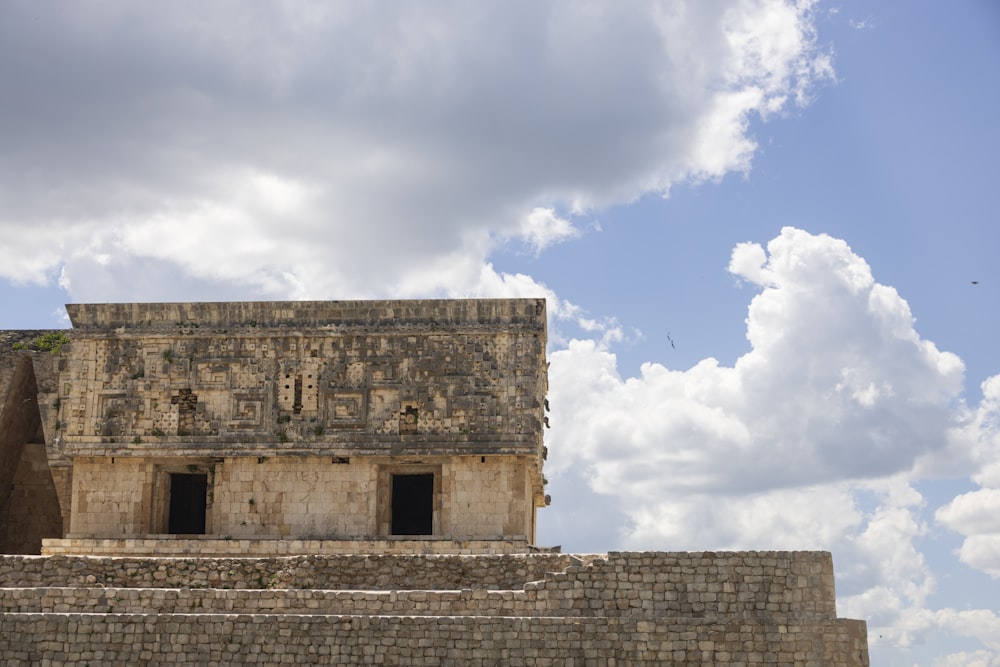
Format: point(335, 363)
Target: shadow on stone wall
point(29, 504)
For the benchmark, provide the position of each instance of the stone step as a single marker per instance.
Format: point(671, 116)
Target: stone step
point(534, 601)
point(356, 572)
point(633, 608)
point(621, 584)
point(295, 601)
point(126, 639)
point(264, 546)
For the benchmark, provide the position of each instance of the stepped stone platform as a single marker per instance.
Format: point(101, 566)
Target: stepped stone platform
point(652, 608)
point(211, 546)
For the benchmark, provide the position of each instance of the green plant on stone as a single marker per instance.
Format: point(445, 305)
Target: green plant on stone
point(52, 341)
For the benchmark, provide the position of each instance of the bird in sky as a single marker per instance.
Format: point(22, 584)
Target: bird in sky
point(671, 341)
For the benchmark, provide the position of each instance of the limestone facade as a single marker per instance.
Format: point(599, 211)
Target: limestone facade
point(305, 420)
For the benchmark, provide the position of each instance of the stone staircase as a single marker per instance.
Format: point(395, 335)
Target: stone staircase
point(529, 609)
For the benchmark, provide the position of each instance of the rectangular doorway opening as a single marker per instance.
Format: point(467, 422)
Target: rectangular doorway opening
point(413, 504)
point(188, 504)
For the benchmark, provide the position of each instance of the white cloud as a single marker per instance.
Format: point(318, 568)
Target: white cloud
point(866, 23)
point(887, 578)
point(808, 441)
point(747, 261)
point(979, 623)
point(838, 385)
point(542, 227)
point(976, 514)
point(302, 149)
point(969, 659)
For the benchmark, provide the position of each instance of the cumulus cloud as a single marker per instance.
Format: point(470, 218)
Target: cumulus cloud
point(979, 623)
point(886, 579)
point(542, 227)
point(300, 149)
point(807, 441)
point(976, 514)
point(838, 385)
point(970, 659)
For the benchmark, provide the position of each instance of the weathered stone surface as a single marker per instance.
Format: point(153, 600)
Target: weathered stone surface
point(292, 420)
point(620, 608)
point(29, 506)
point(327, 378)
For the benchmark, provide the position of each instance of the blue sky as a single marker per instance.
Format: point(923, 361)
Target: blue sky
point(757, 223)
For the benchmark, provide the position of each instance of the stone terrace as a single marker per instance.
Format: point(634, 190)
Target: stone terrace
point(623, 608)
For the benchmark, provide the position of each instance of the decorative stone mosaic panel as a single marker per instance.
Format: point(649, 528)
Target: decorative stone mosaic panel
point(320, 376)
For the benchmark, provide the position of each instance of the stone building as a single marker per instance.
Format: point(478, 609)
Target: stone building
point(351, 482)
point(306, 421)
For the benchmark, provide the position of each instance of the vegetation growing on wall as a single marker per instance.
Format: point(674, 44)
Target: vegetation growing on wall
point(52, 341)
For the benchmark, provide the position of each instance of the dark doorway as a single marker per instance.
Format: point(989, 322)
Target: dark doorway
point(413, 504)
point(188, 504)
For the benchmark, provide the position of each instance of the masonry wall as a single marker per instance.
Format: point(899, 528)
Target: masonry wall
point(481, 497)
point(33, 504)
point(108, 498)
point(423, 377)
point(626, 608)
point(17, 385)
point(116, 639)
point(300, 413)
point(381, 572)
point(311, 496)
point(490, 496)
point(693, 584)
point(29, 505)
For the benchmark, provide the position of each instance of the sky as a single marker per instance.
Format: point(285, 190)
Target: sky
point(765, 230)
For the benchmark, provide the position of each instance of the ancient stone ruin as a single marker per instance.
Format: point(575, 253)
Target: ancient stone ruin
point(337, 482)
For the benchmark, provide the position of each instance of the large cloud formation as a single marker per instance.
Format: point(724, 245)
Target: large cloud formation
point(312, 149)
point(838, 385)
point(812, 439)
